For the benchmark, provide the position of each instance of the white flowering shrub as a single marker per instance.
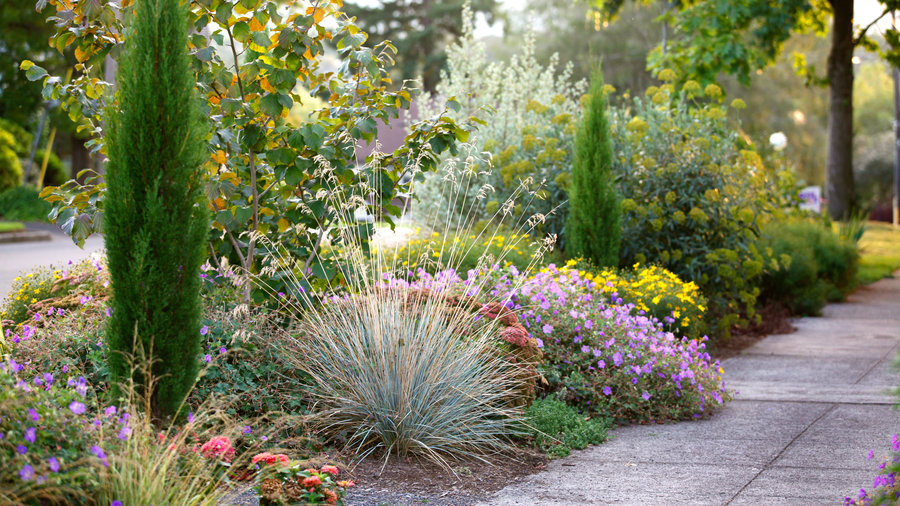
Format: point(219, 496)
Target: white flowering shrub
point(526, 141)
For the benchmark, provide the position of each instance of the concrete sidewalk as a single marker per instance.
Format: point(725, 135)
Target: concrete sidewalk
point(16, 258)
point(810, 407)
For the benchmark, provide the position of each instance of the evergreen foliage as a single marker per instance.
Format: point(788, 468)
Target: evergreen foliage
point(155, 224)
point(593, 227)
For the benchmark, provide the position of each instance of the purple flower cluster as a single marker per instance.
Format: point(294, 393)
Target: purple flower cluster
point(885, 486)
point(50, 423)
point(600, 354)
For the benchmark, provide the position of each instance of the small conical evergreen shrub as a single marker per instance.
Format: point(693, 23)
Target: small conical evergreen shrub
point(593, 227)
point(154, 219)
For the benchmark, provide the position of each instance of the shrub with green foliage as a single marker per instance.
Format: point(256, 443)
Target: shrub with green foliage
point(593, 226)
point(10, 167)
point(23, 203)
point(807, 266)
point(558, 428)
point(155, 221)
point(22, 137)
point(693, 195)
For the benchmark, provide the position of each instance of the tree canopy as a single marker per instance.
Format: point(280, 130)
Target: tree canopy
point(419, 29)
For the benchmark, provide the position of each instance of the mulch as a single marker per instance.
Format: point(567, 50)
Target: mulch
point(422, 482)
point(774, 319)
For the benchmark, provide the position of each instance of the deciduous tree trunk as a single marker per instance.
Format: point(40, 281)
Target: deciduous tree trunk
point(839, 187)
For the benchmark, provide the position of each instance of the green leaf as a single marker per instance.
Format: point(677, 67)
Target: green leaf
point(223, 12)
point(243, 214)
point(33, 72)
point(286, 101)
point(241, 31)
point(270, 105)
point(261, 39)
point(205, 54)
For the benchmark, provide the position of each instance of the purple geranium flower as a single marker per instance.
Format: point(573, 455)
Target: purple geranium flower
point(76, 408)
point(26, 473)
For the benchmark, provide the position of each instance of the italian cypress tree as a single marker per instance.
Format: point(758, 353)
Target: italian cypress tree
point(154, 219)
point(593, 227)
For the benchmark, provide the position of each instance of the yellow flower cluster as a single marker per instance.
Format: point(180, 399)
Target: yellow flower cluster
point(26, 290)
point(654, 290)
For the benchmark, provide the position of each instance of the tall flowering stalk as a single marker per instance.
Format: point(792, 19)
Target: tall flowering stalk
point(154, 220)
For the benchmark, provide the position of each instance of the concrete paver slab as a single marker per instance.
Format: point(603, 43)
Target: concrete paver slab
point(739, 419)
point(576, 481)
point(824, 337)
point(811, 392)
point(796, 369)
point(826, 486)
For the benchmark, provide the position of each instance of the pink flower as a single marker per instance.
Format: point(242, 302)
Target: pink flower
point(332, 470)
point(218, 447)
point(312, 481)
point(270, 458)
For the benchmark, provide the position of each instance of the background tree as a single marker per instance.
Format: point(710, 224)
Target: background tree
point(23, 35)
point(421, 30)
point(593, 228)
point(155, 223)
point(740, 37)
point(577, 33)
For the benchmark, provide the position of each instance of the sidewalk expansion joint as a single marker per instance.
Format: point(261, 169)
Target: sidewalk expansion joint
point(780, 453)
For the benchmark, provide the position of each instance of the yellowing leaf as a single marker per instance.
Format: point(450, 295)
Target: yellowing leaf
point(283, 225)
point(265, 85)
point(219, 203)
point(319, 15)
point(81, 55)
point(27, 64)
point(255, 25)
point(219, 157)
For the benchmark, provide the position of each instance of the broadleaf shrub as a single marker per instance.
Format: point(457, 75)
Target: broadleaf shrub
point(693, 196)
point(807, 265)
point(10, 167)
point(266, 180)
point(23, 203)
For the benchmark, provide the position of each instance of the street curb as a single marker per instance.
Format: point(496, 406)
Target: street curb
point(25, 236)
